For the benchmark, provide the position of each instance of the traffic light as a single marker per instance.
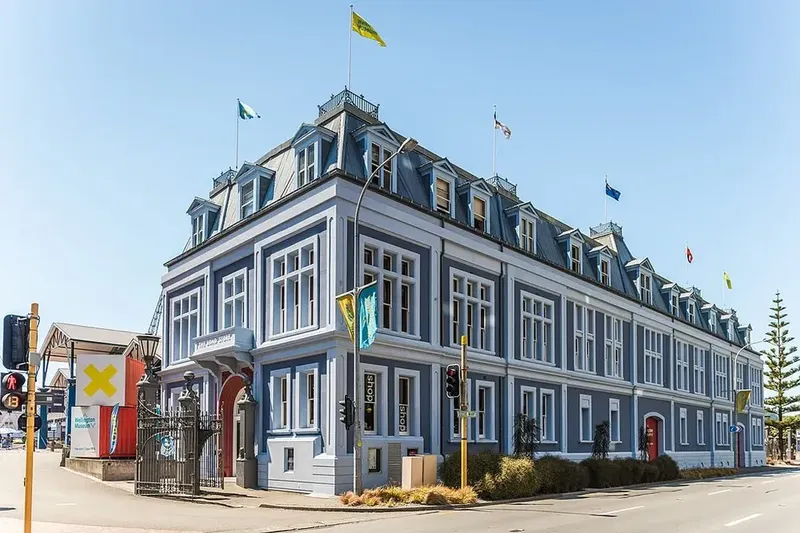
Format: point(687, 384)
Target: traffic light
point(453, 381)
point(15, 341)
point(346, 412)
point(11, 396)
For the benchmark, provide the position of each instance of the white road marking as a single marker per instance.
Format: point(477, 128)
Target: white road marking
point(66, 504)
point(718, 492)
point(626, 509)
point(745, 519)
point(768, 482)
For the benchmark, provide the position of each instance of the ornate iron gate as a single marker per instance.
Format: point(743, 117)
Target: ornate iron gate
point(177, 451)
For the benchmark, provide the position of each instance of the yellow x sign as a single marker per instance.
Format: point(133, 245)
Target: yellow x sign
point(100, 380)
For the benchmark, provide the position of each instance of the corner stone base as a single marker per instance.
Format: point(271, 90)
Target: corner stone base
point(104, 469)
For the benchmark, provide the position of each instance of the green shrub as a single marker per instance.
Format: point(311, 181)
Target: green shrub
point(515, 479)
point(554, 475)
point(478, 465)
point(650, 472)
point(631, 471)
point(603, 473)
point(705, 473)
point(667, 468)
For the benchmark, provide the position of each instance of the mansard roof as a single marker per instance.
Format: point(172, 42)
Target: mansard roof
point(198, 203)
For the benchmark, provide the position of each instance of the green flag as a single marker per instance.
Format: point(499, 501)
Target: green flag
point(246, 112)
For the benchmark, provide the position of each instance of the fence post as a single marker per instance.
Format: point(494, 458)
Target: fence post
point(246, 463)
point(190, 407)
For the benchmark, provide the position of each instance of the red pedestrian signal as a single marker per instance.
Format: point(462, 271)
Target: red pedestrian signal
point(453, 381)
point(11, 395)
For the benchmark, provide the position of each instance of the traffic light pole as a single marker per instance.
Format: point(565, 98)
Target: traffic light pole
point(463, 411)
point(30, 440)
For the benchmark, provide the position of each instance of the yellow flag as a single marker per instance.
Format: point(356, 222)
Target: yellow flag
point(742, 397)
point(365, 29)
point(727, 280)
point(347, 307)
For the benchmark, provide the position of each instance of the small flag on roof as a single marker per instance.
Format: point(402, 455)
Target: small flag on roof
point(689, 256)
point(365, 29)
point(612, 192)
point(246, 112)
point(502, 127)
point(727, 279)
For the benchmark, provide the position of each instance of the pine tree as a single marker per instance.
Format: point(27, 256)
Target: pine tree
point(782, 372)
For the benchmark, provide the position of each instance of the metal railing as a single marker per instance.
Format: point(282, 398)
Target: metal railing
point(348, 97)
point(223, 177)
point(608, 227)
point(502, 183)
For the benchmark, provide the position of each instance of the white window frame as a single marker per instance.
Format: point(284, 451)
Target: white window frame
point(701, 428)
point(654, 357)
point(396, 277)
point(700, 384)
point(199, 228)
point(722, 433)
point(683, 427)
point(584, 339)
point(547, 421)
point(690, 311)
point(614, 350)
point(757, 432)
point(235, 296)
point(526, 233)
point(528, 408)
point(301, 418)
point(277, 426)
point(464, 300)
point(682, 356)
point(414, 411)
point(384, 154)
point(489, 410)
point(585, 403)
point(175, 332)
point(575, 264)
point(454, 406)
point(604, 277)
point(721, 376)
point(741, 369)
point(756, 386)
point(675, 303)
point(381, 399)
point(615, 432)
point(313, 166)
point(537, 337)
point(645, 285)
point(712, 321)
point(436, 176)
point(487, 209)
point(284, 279)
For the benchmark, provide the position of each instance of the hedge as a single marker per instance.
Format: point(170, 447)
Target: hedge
point(705, 473)
point(667, 468)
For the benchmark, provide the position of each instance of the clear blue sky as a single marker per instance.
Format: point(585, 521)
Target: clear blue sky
point(114, 115)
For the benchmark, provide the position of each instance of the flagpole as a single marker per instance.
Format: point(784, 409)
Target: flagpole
point(494, 143)
point(236, 159)
point(350, 46)
point(605, 195)
point(685, 252)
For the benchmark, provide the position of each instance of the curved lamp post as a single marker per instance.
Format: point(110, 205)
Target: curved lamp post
point(735, 389)
point(407, 146)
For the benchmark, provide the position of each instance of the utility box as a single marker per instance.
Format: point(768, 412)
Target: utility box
point(430, 469)
point(412, 472)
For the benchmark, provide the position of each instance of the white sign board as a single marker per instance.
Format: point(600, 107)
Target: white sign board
point(99, 380)
point(85, 432)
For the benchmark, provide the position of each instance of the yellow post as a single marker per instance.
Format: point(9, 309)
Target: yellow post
point(463, 410)
point(30, 439)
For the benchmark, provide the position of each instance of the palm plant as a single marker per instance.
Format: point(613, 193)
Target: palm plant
point(526, 436)
point(602, 440)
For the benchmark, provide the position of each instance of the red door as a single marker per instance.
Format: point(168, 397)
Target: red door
point(653, 438)
point(740, 447)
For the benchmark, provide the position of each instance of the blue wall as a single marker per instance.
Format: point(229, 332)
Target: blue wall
point(600, 413)
point(556, 388)
point(500, 408)
point(663, 408)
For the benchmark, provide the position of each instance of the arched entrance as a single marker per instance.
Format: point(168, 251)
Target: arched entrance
point(741, 446)
point(654, 426)
point(232, 388)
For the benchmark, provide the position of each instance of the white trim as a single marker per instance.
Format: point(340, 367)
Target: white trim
point(382, 400)
point(613, 405)
point(272, 280)
point(490, 409)
point(243, 273)
point(700, 423)
point(582, 400)
point(486, 198)
point(683, 418)
point(662, 444)
point(439, 174)
point(529, 223)
point(300, 373)
point(551, 422)
point(171, 318)
point(275, 377)
point(611, 344)
point(415, 409)
point(453, 404)
point(533, 412)
point(549, 347)
point(476, 300)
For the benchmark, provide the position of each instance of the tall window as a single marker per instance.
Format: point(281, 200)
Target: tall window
point(455, 428)
point(683, 427)
point(527, 234)
point(294, 291)
point(547, 415)
point(721, 425)
point(234, 300)
point(472, 304)
point(646, 288)
point(443, 196)
point(485, 411)
point(310, 397)
point(690, 311)
point(482, 393)
point(613, 347)
point(699, 371)
point(306, 165)
point(283, 419)
point(682, 365)
point(584, 339)
point(185, 324)
point(528, 403)
point(758, 432)
point(756, 386)
point(403, 404)
point(586, 417)
point(741, 368)
point(370, 403)
point(653, 357)
point(379, 159)
point(537, 328)
point(721, 384)
point(575, 258)
point(396, 271)
point(479, 213)
point(613, 420)
point(605, 271)
point(198, 229)
point(712, 321)
point(248, 198)
point(674, 304)
point(701, 428)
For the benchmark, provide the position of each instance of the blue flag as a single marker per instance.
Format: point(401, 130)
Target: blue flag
point(612, 192)
point(368, 314)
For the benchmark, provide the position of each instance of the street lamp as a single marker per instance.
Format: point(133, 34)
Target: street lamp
point(736, 390)
point(407, 146)
point(148, 344)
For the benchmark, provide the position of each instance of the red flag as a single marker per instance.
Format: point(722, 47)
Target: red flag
point(689, 255)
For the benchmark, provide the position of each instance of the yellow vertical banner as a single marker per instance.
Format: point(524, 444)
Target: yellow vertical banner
point(347, 307)
point(742, 398)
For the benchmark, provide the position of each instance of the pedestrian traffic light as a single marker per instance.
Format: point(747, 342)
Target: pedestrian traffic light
point(346, 412)
point(11, 396)
point(453, 381)
point(15, 341)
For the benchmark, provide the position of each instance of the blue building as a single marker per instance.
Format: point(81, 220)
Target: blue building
point(566, 326)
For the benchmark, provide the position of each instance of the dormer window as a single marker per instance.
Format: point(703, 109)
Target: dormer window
point(306, 164)
point(198, 229)
point(605, 271)
point(690, 312)
point(254, 183)
point(381, 166)
point(712, 321)
point(575, 257)
point(247, 194)
point(527, 234)
point(444, 198)
point(675, 307)
point(204, 215)
point(479, 214)
point(311, 144)
point(645, 287)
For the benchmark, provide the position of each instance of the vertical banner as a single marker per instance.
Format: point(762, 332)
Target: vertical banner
point(113, 429)
point(742, 398)
point(368, 314)
point(347, 307)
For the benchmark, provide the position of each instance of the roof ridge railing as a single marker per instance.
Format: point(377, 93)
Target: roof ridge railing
point(502, 183)
point(606, 227)
point(224, 177)
point(349, 97)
